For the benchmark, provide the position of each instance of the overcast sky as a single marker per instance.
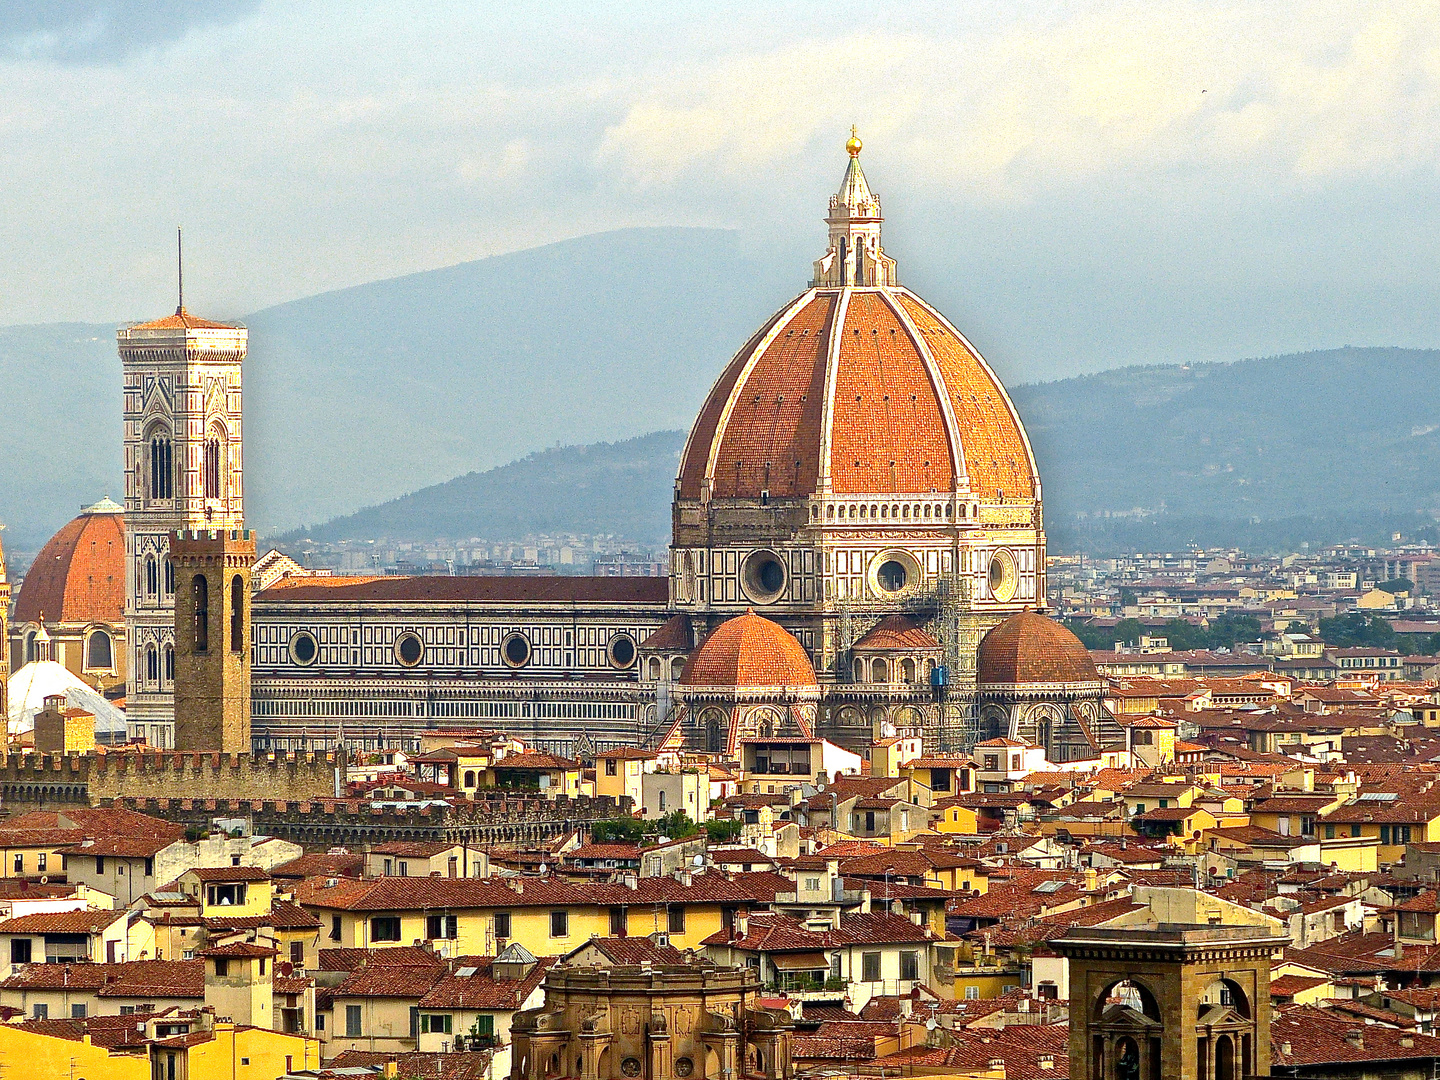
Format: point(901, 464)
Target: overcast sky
point(1079, 185)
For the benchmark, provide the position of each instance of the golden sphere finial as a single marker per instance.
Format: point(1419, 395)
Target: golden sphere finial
point(853, 144)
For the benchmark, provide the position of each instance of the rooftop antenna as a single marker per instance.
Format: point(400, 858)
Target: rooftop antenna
point(180, 269)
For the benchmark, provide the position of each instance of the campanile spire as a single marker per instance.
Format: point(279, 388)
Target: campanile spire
point(855, 256)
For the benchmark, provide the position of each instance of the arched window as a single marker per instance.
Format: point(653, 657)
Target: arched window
point(880, 671)
point(858, 670)
point(162, 466)
point(907, 670)
point(654, 669)
point(202, 613)
point(152, 577)
point(32, 650)
point(469, 777)
point(99, 651)
point(844, 250)
point(860, 264)
point(169, 577)
point(237, 614)
point(217, 446)
point(677, 668)
point(152, 665)
point(169, 663)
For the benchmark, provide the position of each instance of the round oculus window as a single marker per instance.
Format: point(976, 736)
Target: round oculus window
point(409, 649)
point(892, 575)
point(630, 1066)
point(303, 649)
point(621, 651)
point(1002, 576)
point(683, 1066)
point(892, 572)
point(516, 650)
point(763, 575)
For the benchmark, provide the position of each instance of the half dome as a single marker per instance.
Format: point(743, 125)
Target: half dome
point(79, 575)
point(1029, 649)
point(749, 651)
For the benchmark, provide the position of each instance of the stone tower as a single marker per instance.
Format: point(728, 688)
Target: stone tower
point(1179, 1002)
point(183, 470)
point(212, 638)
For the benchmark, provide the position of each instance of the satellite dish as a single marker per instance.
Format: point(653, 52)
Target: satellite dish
point(698, 860)
point(930, 1024)
point(287, 968)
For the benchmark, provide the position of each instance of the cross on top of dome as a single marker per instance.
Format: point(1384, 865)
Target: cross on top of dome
point(855, 256)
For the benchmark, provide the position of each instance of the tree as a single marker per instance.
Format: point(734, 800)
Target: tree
point(1127, 597)
point(1396, 585)
point(722, 830)
point(617, 831)
point(676, 825)
point(1355, 630)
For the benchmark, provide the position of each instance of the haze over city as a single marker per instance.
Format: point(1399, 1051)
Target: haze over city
point(719, 541)
point(1087, 185)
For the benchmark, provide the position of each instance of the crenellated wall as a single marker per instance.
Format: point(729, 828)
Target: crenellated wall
point(355, 821)
point(39, 781)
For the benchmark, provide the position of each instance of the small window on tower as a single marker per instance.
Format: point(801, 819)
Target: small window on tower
point(237, 614)
point(202, 613)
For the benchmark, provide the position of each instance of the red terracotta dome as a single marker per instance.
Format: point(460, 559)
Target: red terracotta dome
point(906, 406)
point(1028, 648)
point(79, 575)
point(897, 632)
point(749, 651)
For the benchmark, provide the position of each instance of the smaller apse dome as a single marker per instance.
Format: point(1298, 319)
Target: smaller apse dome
point(79, 575)
point(750, 651)
point(1029, 649)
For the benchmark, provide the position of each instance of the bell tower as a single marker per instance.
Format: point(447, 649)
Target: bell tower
point(212, 638)
point(183, 470)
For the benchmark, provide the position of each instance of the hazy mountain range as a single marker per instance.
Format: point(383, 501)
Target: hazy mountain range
point(425, 384)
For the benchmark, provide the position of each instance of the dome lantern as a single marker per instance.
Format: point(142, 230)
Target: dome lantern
point(855, 256)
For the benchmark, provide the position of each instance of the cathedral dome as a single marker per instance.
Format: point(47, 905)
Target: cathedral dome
point(857, 387)
point(749, 651)
point(79, 575)
point(1029, 649)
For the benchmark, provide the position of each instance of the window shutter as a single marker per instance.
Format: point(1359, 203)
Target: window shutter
point(414, 1021)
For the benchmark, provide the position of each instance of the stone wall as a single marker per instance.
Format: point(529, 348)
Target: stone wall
point(35, 781)
point(485, 822)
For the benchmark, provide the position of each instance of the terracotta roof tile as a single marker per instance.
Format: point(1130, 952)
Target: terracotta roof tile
point(749, 651)
point(1029, 648)
point(79, 575)
point(558, 590)
point(896, 632)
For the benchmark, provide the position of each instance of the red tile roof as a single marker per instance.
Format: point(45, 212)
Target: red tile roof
point(896, 632)
point(1028, 648)
point(553, 590)
point(479, 989)
point(61, 922)
point(749, 650)
point(79, 575)
point(183, 320)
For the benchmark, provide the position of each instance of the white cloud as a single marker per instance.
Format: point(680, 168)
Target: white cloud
point(1298, 90)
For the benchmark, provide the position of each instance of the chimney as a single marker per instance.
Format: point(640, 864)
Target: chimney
point(392, 1070)
point(1356, 1038)
point(1407, 1042)
point(997, 1065)
point(1285, 1048)
point(1047, 1061)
